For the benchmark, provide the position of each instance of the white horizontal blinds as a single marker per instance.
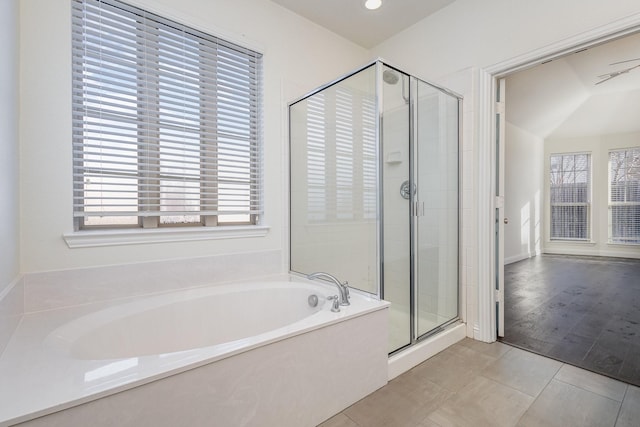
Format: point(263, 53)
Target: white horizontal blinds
point(570, 191)
point(166, 121)
point(624, 196)
point(239, 155)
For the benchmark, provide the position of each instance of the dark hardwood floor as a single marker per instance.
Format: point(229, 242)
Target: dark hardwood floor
point(584, 311)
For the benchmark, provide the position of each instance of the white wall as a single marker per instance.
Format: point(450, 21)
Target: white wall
point(598, 146)
point(523, 199)
point(298, 56)
point(9, 182)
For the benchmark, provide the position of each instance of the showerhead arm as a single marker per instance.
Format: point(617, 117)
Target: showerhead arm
point(392, 77)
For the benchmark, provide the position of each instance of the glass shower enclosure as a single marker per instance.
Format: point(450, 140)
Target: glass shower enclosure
point(374, 193)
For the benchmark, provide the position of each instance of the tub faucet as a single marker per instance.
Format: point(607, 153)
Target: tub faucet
point(343, 288)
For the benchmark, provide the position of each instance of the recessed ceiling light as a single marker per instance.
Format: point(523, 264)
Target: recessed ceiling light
point(372, 4)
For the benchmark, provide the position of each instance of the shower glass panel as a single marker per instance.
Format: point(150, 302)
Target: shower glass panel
point(333, 185)
point(396, 205)
point(436, 230)
point(374, 194)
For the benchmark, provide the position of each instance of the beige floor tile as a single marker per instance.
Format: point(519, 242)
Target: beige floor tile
point(593, 382)
point(405, 401)
point(339, 420)
point(524, 371)
point(495, 349)
point(427, 423)
point(453, 368)
point(562, 405)
point(630, 413)
point(483, 402)
point(476, 384)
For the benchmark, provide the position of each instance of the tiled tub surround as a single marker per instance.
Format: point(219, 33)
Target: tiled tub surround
point(64, 288)
point(49, 290)
point(299, 374)
point(11, 310)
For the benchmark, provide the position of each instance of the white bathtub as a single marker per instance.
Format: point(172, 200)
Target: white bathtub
point(230, 355)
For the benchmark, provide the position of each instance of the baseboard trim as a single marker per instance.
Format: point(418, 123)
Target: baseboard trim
point(519, 257)
point(587, 252)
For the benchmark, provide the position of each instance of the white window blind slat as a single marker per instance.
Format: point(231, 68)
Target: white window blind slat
point(166, 120)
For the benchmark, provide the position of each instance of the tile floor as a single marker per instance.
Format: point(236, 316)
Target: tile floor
point(477, 384)
point(580, 310)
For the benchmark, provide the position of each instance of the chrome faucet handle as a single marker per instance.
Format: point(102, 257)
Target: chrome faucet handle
point(346, 288)
point(344, 293)
point(336, 303)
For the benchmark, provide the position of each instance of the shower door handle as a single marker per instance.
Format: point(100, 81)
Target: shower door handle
point(418, 209)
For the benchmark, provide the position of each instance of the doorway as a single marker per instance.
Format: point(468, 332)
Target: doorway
point(551, 305)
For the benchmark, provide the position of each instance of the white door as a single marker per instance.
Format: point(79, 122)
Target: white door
point(499, 192)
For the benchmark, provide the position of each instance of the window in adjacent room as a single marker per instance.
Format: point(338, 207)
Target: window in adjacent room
point(166, 122)
point(570, 196)
point(624, 196)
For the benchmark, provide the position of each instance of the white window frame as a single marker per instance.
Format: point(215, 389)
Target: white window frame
point(586, 204)
point(626, 240)
point(208, 215)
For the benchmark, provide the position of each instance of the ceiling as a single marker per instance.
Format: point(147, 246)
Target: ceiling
point(367, 28)
point(560, 99)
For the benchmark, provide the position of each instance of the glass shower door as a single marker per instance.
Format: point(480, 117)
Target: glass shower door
point(436, 202)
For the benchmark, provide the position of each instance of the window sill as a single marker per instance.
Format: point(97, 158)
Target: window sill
point(571, 242)
point(94, 238)
point(623, 244)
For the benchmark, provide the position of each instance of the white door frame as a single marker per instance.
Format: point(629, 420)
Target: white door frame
point(487, 80)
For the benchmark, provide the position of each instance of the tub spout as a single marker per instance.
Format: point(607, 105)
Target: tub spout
point(343, 288)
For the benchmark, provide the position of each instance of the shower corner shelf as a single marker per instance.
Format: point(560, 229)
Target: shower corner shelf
point(393, 158)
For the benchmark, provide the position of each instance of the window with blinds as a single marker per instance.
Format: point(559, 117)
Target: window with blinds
point(166, 122)
point(570, 196)
point(624, 196)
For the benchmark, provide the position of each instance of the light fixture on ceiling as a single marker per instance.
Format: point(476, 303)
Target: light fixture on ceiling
point(606, 77)
point(372, 4)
